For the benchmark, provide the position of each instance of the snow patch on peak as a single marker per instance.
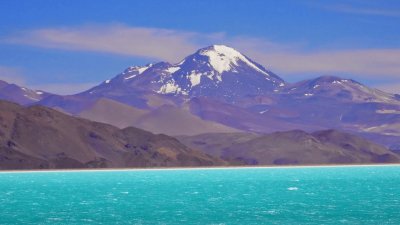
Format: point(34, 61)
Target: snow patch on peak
point(138, 69)
point(195, 78)
point(31, 98)
point(170, 88)
point(130, 77)
point(173, 69)
point(181, 62)
point(336, 82)
point(223, 58)
point(144, 68)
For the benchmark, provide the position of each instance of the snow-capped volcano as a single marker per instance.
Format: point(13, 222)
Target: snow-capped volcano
point(221, 58)
point(219, 66)
point(216, 70)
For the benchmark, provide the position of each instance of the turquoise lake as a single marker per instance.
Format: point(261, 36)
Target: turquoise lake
point(319, 195)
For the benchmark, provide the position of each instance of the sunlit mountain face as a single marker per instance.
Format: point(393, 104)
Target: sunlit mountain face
point(216, 71)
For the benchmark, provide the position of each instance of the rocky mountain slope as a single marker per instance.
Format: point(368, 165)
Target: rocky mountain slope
point(21, 95)
point(38, 137)
point(167, 119)
point(291, 147)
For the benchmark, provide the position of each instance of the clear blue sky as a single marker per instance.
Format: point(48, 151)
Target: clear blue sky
point(68, 45)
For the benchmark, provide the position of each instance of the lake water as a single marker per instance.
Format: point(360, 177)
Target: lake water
point(320, 195)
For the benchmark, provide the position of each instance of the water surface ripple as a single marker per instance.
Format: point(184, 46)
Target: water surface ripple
point(321, 195)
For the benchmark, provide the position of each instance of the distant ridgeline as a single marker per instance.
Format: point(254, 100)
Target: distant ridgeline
point(38, 137)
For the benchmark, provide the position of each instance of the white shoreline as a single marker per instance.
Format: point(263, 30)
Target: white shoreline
point(193, 168)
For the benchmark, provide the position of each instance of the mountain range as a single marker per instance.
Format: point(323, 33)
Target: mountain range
point(294, 147)
point(37, 137)
point(220, 90)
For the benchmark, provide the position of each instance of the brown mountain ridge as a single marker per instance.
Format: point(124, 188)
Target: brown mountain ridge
point(41, 138)
point(38, 137)
point(294, 147)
